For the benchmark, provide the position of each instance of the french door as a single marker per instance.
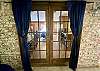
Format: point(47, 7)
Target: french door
point(51, 34)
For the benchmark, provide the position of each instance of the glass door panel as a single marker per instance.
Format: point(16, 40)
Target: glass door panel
point(37, 35)
point(62, 35)
point(50, 35)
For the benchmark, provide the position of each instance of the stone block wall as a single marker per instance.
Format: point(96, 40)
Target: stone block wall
point(9, 45)
point(90, 42)
point(90, 39)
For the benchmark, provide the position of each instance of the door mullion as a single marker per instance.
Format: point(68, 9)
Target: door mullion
point(51, 33)
point(48, 37)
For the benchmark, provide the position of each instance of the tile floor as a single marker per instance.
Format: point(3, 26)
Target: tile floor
point(63, 68)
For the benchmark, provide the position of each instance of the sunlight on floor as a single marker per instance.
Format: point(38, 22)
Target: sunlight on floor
point(63, 68)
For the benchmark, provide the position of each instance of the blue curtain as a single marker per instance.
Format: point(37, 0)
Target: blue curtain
point(5, 67)
point(21, 11)
point(76, 15)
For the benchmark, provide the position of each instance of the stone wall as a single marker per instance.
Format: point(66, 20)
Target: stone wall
point(9, 46)
point(90, 42)
point(90, 39)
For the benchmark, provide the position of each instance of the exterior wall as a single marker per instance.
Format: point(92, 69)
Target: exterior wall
point(90, 42)
point(9, 46)
point(90, 39)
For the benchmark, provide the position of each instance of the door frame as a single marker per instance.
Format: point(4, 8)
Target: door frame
point(49, 7)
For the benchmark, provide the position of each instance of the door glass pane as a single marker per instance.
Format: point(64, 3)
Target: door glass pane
point(64, 16)
point(36, 48)
point(55, 36)
point(56, 26)
point(69, 29)
point(55, 45)
point(34, 15)
point(42, 16)
point(43, 36)
point(30, 36)
point(43, 54)
point(42, 26)
point(64, 13)
point(69, 45)
point(36, 55)
point(68, 54)
point(62, 46)
point(56, 15)
point(42, 45)
point(62, 54)
point(33, 26)
point(55, 54)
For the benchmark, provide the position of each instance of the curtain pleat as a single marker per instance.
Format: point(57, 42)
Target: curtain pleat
point(21, 11)
point(76, 14)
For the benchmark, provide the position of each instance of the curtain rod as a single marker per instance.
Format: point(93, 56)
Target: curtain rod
point(41, 1)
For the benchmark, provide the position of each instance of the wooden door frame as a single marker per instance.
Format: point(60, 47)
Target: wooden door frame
point(49, 7)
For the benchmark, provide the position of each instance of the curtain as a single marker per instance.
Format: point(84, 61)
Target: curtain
point(76, 15)
point(21, 11)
